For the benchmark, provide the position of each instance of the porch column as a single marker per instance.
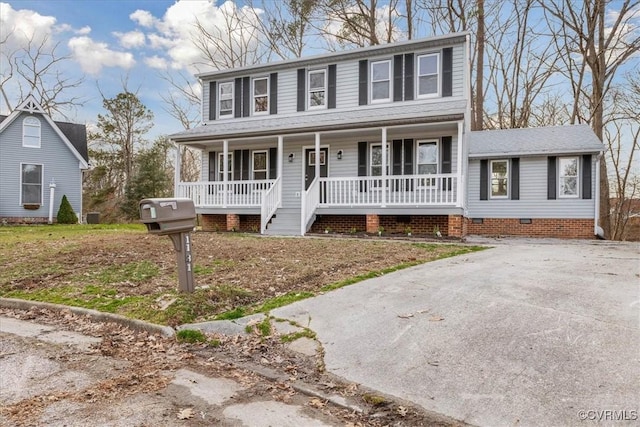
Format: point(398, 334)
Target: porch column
point(384, 167)
point(318, 155)
point(280, 160)
point(225, 177)
point(459, 169)
point(177, 172)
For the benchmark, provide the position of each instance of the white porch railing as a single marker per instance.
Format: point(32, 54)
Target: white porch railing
point(237, 194)
point(310, 202)
point(271, 201)
point(397, 190)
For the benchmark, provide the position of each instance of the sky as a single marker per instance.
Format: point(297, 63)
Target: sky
point(110, 41)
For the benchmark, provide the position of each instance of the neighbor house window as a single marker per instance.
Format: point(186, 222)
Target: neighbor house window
point(568, 177)
point(31, 181)
point(317, 88)
point(428, 66)
point(427, 160)
point(225, 99)
point(261, 95)
point(260, 165)
point(375, 168)
point(381, 81)
point(31, 132)
point(229, 167)
point(499, 178)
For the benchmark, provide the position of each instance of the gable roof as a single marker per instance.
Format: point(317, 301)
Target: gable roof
point(73, 135)
point(572, 139)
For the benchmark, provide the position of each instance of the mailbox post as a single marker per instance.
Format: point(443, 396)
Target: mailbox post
point(175, 218)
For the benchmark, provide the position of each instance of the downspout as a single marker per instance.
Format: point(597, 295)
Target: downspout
point(597, 230)
point(176, 170)
point(52, 191)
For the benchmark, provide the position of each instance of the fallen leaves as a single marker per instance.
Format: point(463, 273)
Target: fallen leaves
point(185, 414)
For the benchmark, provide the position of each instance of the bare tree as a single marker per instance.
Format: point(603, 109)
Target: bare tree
point(38, 69)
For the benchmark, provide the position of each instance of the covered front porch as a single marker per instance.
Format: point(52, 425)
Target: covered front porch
point(353, 174)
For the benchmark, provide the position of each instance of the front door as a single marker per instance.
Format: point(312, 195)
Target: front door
point(310, 165)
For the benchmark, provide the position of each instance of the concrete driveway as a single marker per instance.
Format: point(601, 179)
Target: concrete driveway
point(526, 333)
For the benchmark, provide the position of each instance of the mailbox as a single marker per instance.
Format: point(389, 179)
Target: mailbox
point(168, 216)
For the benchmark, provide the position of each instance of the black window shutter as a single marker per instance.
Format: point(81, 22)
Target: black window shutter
point(302, 88)
point(586, 176)
point(246, 97)
point(551, 178)
point(515, 179)
point(363, 82)
point(212, 100)
point(397, 78)
point(273, 93)
point(332, 77)
point(408, 77)
point(212, 166)
point(445, 166)
point(408, 162)
point(447, 71)
point(245, 165)
point(237, 164)
point(484, 179)
point(273, 163)
point(237, 95)
point(396, 156)
point(362, 162)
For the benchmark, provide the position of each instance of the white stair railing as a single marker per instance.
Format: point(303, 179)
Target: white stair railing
point(310, 202)
point(271, 201)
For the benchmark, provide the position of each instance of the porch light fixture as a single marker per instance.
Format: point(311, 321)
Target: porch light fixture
point(339, 154)
point(291, 156)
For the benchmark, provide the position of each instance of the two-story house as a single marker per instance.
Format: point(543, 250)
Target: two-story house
point(370, 139)
point(39, 158)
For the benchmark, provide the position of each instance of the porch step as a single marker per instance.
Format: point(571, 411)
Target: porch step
point(286, 222)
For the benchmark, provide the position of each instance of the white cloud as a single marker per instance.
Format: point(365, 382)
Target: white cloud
point(157, 62)
point(18, 27)
point(130, 40)
point(83, 31)
point(143, 18)
point(93, 56)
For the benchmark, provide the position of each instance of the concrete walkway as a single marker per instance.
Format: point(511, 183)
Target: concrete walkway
point(527, 333)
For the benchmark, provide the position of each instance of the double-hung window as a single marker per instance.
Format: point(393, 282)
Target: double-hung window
point(260, 167)
point(225, 99)
point(427, 161)
point(428, 75)
point(568, 176)
point(261, 95)
point(375, 161)
point(317, 88)
point(31, 181)
point(31, 132)
point(499, 179)
point(381, 81)
point(229, 167)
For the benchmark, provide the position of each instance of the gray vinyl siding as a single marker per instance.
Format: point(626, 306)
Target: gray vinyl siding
point(58, 163)
point(458, 70)
point(287, 92)
point(533, 201)
point(347, 85)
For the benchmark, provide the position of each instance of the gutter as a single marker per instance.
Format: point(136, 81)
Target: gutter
point(597, 230)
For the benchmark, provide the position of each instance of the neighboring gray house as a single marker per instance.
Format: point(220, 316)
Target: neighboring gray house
point(303, 141)
point(35, 153)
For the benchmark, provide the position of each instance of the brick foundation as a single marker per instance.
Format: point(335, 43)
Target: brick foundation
point(229, 222)
point(539, 227)
point(392, 224)
point(373, 223)
point(340, 224)
point(455, 226)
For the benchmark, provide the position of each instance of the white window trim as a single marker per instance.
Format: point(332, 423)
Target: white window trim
point(253, 163)
point(560, 176)
point(233, 101)
point(324, 89)
point(372, 145)
point(371, 82)
point(508, 178)
point(427, 183)
point(22, 203)
point(220, 171)
point(438, 77)
point(25, 123)
point(254, 96)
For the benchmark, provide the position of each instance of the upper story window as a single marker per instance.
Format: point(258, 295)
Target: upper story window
point(381, 81)
point(261, 95)
point(31, 132)
point(229, 167)
point(31, 180)
point(568, 176)
point(225, 99)
point(317, 88)
point(499, 179)
point(428, 75)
